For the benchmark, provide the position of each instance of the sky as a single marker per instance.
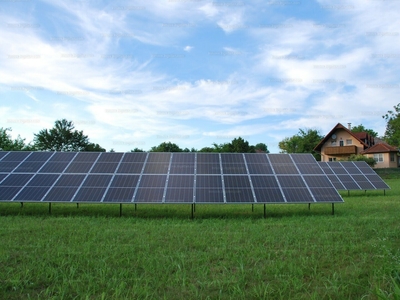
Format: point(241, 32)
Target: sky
point(134, 74)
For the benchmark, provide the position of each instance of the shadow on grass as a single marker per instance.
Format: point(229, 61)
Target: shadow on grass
point(164, 211)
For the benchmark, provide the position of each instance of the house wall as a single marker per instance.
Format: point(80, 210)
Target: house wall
point(341, 135)
point(386, 163)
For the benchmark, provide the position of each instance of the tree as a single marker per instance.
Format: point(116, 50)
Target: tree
point(166, 147)
point(361, 128)
point(392, 133)
point(63, 137)
point(137, 150)
point(261, 147)
point(8, 144)
point(302, 142)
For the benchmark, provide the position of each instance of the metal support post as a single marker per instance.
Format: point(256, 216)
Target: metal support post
point(49, 207)
point(120, 209)
point(252, 207)
point(333, 208)
point(192, 215)
point(265, 211)
point(309, 206)
point(22, 204)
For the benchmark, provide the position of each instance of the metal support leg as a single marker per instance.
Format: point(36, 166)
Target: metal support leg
point(77, 205)
point(348, 192)
point(384, 192)
point(135, 206)
point(309, 206)
point(120, 209)
point(252, 207)
point(333, 208)
point(265, 211)
point(49, 207)
point(194, 207)
point(192, 215)
point(22, 204)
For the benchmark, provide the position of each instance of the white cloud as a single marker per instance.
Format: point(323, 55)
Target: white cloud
point(188, 48)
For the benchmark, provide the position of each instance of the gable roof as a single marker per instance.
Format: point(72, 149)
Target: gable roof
point(380, 148)
point(358, 136)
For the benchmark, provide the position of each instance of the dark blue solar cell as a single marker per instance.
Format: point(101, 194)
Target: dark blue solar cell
point(264, 182)
point(63, 194)
point(209, 195)
point(182, 169)
point(130, 168)
point(63, 156)
point(208, 169)
point(350, 167)
point(8, 192)
point(16, 180)
point(31, 194)
point(153, 181)
point(285, 169)
point(159, 157)
point(232, 158)
point(70, 180)
point(348, 182)
point(313, 168)
point(119, 195)
point(364, 167)
point(183, 158)
point(2, 154)
point(149, 195)
point(54, 167)
point(237, 181)
point(79, 167)
point(97, 181)
point(325, 167)
point(156, 168)
point(294, 195)
point(16, 156)
point(104, 168)
point(239, 195)
point(29, 167)
point(125, 181)
point(110, 157)
point(337, 168)
point(89, 194)
point(363, 182)
point(377, 181)
point(182, 195)
point(8, 166)
point(269, 195)
point(2, 176)
point(256, 158)
point(317, 181)
point(181, 181)
point(207, 158)
point(336, 182)
point(44, 180)
point(291, 181)
point(303, 158)
point(86, 157)
point(280, 159)
point(203, 181)
point(135, 157)
point(233, 168)
point(39, 156)
point(260, 168)
point(326, 195)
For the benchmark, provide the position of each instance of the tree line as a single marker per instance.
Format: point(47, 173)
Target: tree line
point(64, 137)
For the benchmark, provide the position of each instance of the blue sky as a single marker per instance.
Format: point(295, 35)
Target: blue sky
point(133, 74)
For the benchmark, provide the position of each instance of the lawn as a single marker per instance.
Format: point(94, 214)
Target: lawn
point(225, 252)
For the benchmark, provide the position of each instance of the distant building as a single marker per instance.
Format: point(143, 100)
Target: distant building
point(341, 142)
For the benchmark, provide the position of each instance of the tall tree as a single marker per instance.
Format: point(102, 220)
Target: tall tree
point(8, 144)
point(392, 133)
point(261, 147)
point(64, 137)
point(361, 128)
point(166, 147)
point(302, 142)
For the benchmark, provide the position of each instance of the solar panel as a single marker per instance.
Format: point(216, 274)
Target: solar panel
point(352, 175)
point(167, 178)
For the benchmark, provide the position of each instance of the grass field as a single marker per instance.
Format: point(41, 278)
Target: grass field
point(226, 252)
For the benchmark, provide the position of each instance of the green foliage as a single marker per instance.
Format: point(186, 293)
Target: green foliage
point(8, 144)
point(302, 142)
point(137, 150)
point(358, 157)
point(237, 145)
point(166, 147)
point(361, 128)
point(261, 147)
point(63, 137)
point(392, 133)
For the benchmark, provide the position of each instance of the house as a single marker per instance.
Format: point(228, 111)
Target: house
point(341, 142)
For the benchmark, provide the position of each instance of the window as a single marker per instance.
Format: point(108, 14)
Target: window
point(349, 142)
point(332, 158)
point(333, 143)
point(378, 157)
point(392, 156)
point(341, 143)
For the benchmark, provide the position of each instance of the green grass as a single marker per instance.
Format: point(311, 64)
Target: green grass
point(226, 252)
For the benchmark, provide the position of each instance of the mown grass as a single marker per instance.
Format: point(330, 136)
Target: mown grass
point(226, 252)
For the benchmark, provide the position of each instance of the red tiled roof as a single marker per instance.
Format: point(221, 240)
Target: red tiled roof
point(360, 135)
point(380, 148)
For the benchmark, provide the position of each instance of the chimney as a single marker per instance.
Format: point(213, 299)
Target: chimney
point(349, 126)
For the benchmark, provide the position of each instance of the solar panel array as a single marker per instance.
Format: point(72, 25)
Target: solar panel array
point(353, 175)
point(163, 178)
